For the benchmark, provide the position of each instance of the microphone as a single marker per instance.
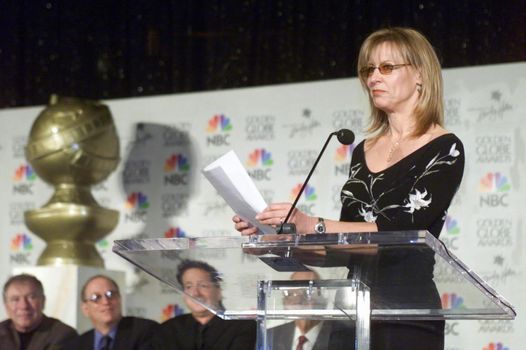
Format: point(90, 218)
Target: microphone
point(346, 137)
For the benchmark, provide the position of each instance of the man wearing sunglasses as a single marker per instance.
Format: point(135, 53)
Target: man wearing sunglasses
point(101, 303)
point(27, 327)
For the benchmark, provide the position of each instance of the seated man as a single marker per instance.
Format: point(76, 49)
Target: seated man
point(303, 334)
point(102, 305)
point(201, 329)
point(27, 327)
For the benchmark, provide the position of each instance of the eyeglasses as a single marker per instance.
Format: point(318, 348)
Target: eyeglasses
point(31, 298)
point(96, 298)
point(384, 68)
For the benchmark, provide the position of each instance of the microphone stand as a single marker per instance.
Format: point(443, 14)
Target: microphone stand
point(285, 227)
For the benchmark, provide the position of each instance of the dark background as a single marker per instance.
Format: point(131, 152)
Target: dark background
point(113, 49)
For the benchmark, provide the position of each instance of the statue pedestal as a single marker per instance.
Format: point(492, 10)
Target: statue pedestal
point(62, 287)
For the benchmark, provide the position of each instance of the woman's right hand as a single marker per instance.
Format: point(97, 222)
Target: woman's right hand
point(244, 227)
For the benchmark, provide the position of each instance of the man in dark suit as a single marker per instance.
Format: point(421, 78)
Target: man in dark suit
point(27, 327)
point(111, 331)
point(303, 334)
point(201, 329)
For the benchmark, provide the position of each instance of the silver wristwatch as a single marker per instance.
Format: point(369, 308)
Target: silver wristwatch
point(320, 226)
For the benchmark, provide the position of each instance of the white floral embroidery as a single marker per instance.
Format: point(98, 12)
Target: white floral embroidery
point(368, 216)
point(417, 201)
point(453, 151)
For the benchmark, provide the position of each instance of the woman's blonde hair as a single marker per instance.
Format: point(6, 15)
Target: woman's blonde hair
point(415, 49)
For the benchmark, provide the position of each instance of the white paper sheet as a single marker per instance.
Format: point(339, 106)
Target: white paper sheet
point(232, 182)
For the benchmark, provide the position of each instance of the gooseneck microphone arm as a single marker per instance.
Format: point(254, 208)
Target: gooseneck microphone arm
point(346, 137)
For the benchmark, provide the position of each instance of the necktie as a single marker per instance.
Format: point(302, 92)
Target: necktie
point(106, 342)
point(301, 340)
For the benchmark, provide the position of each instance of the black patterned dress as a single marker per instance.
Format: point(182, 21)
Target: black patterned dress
point(412, 194)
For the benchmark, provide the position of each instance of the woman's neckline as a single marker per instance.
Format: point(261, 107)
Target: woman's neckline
point(404, 158)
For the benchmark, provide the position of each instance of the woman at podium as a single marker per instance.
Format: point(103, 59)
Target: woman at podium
point(403, 176)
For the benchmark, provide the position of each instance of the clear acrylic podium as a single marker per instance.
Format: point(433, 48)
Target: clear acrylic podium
point(363, 277)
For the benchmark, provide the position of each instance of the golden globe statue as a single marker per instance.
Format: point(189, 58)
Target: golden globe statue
point(72, 145)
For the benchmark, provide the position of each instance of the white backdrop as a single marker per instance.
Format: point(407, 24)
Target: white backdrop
point(277, 132)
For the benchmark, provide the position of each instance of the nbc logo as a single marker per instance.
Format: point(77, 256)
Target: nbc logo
point(21, 246)
point(309, 194)
point(494, 182)
point(136, 205)
point(495, 346)
point(219, 123)
point(174, 232)
point(171, 310)
point(342, 158)
point(177, 166)
point(452, 233)
point(21, 242)
point(24, 172)
point(176, 162)
point(343, 153)
point(137, 200)
point(23, 180)
point(452, 226)
point(259, 155)
point(218, 129)
point(494, 188)
point(260, 162)
point(452, 301)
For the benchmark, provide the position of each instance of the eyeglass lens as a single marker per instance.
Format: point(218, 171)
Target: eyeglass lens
point(109, 294)
point(384, 68)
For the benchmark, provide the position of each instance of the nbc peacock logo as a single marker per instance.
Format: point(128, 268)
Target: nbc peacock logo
point(494, 182)
point(20, 249)
point(174, 232)
point(21, 243)
point(342, 159)
point(218, 130)
point(219, 123)
point(176, 167)
point(495, 346)
point(176, 162)
point(452, 232)
point(170, 311)
point(259, 164)
point(343, 153)
point(259, 157)
point(494, 188)
point(137, 200)
point(452, 301)
point(23, 180)
point(309, 194)
point(136, 206)
point(452, 226)
point(24, 173)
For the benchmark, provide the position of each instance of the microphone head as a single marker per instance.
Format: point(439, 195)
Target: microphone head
point(345, 136)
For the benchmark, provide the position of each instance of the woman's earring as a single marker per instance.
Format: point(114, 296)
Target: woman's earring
point(419, 88)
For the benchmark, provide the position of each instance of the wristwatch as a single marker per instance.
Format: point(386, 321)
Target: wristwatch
point(320, 226)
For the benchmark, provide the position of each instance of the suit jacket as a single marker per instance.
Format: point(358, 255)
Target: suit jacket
point(133, 333)
point(180, 333)
point(47, 336)
point(333, 335)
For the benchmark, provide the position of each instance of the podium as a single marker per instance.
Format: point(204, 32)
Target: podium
point(362, 278)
